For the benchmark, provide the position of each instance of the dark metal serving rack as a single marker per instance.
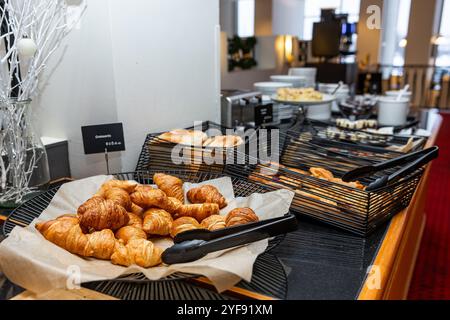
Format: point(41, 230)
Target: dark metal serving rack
point(269, 276)
point(351, 209)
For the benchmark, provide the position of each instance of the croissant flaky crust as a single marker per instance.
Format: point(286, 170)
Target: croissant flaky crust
point(66, 233)
point(105, 215)
point(128, 233)
point(90, 203)
point(134, 220)
point(206, 194)
point(214, 222)
point(156, 198)
point(128, 186)
point(119, 196)
point(137, 251)
point(240, 216)
point(198, 211)
point(183, 224)
point(157, 221)
point(172, 186)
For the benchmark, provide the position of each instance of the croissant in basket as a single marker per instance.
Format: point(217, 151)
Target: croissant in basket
point(240, 216)
point(137, 251)
point(183, 224)
point(172, 186)
point(119, 196)
point(128, 233)
point(128, 186)
point(157, 221)
point(66, 233)
point(104, 214)
point(198, 211)
point(183, 136)
point(213, 223)
point(206, 194)
point(227, 141)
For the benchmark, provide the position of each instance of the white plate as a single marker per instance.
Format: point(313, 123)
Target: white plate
point(327, 98)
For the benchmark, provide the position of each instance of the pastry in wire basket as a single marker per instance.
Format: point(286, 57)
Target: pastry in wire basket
point(183, 136)
point(240, 216)
point(206, 194)
point(214, 222)
point(183, 224)
point(227, 141)
point(157, 222)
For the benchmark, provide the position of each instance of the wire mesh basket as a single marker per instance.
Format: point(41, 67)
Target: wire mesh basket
point(373, 141)
point(31, 209)
point(329, 199)
point(159, 154)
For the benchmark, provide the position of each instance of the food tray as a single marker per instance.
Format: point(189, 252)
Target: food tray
point(373, 141)
point(355, 210)
point(31, 209)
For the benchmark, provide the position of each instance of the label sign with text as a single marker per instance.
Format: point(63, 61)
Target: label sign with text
point(263, 114)
point(97, 138)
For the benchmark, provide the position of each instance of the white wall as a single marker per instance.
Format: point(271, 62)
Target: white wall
point(153, 65)
point(78, 89)
point(166, 66)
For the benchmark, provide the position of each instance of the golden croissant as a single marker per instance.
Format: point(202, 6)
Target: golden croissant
point(240, 216)
point(136, 209)
point(214, 222)
point(156, 198)
point(90, 203)
point(151, 198)
point(105, 215)
point(134, 220)
point(171, 185)
point(129, 232)
point(198, 211)
point(157, 221)
point(119, 196)
point(128, 186)
point(143, 187)
point(183, 224)
point(66, 233)
point(137, 251)
point(206, 194)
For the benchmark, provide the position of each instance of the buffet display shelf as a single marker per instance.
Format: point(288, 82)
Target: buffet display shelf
point(322, 262)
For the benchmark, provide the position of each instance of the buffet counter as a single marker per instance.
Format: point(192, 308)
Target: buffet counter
point(321, 262)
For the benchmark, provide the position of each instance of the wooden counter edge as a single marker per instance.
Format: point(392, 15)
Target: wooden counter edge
point(64, 294)
point(373, 288)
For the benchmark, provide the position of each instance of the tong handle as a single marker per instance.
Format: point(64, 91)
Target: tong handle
point(206, 235)
point(366, 170)
point(192, 250)
point(432, 153)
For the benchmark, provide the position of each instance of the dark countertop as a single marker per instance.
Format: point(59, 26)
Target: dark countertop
point(320, 262)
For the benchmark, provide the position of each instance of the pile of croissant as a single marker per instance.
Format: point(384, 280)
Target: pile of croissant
point(118, 222)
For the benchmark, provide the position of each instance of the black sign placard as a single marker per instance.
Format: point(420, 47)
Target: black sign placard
point(97, 138)
point(263, 114)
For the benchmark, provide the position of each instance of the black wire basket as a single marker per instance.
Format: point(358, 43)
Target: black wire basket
point(346, 207)
point(262, 278)
point(371, 141)
point(160, 154)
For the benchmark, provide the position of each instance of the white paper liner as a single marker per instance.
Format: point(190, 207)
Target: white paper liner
point(34, 263)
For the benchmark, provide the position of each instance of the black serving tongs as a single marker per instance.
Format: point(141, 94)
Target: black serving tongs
point(412, 162)
point(195, 244)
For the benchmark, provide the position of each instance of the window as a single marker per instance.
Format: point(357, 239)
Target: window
point(443, 42)
point(401, 32)
point(245, 18)
point(313, 8)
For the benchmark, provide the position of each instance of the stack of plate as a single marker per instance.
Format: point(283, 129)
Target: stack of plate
point(309, 74)
point(296, 81)
point(270, 88)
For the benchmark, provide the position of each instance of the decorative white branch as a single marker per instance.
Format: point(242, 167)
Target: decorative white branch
point(33, 31)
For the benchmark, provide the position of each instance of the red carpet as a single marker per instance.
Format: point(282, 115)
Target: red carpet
point(431, 279)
